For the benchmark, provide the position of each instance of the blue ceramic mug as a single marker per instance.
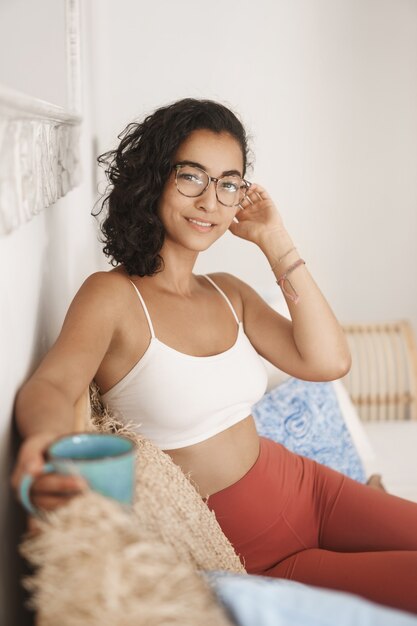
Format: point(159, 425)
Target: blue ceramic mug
point(105, 461)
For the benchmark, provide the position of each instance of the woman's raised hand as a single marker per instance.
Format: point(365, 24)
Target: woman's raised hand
point(257, 216)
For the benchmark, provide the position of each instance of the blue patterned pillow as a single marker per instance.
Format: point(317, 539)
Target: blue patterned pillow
point(305, 417)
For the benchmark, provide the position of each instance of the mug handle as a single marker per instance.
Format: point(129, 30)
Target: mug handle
point(26, 484)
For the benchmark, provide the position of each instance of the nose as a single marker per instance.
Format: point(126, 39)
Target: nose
point(208, 199)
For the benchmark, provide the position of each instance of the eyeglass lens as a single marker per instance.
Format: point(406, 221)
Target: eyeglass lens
point(192, 182)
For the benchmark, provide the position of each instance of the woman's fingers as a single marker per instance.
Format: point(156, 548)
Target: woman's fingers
point(256, 216)
point(57, 484)
point(255, 194)
point(258, 190)
point(50, 491)
point(51, 502)
point(30, 459)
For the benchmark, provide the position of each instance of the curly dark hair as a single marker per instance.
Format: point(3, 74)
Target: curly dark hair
point(137, 171)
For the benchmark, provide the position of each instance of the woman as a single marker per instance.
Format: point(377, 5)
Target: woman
point(178, 353)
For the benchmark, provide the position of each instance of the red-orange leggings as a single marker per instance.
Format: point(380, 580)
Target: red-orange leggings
point(290, 517)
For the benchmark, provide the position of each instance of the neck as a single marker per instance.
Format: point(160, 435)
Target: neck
point(177, 276)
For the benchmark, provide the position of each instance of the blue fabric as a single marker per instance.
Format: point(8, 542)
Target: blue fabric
point(305, 417)
point(261, 601)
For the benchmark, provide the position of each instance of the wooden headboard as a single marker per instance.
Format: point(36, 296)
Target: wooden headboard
point(383, 379)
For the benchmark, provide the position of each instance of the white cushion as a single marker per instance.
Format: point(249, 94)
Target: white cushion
point(357, 431)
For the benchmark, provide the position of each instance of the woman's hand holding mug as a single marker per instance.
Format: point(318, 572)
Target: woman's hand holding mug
point(75, 462)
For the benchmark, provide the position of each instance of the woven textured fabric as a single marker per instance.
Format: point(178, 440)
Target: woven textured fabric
point(167, 505)
point(95, 566)
point(306, 418)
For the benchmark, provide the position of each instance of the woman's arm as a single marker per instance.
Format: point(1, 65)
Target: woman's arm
point(45, 404)
point(46, 401)
point(311, 345)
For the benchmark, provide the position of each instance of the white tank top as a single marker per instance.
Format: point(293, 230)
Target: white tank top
point(177, 399)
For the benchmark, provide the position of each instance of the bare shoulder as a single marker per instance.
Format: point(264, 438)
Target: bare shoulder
point(100, 301)
point(234, 285)
point(107, 280)
point(253, 308)
point(108, 289)
point(89, 331)
point(239, 292)
point(227, 282)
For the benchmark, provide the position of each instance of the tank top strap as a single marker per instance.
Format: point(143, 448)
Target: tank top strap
point(221, 292)
point(145, 310)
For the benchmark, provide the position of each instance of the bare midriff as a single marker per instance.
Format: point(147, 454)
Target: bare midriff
point(219, 461)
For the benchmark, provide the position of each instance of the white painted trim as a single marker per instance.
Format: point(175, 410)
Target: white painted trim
point(73, 30)
point(39, 141)
point(16, 105)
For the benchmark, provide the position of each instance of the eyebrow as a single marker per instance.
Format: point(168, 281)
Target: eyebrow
point(202, 167)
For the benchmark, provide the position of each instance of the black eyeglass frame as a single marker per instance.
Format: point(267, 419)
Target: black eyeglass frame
point(246, 184)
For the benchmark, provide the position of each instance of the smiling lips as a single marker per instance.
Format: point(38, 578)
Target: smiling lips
point(200, 225)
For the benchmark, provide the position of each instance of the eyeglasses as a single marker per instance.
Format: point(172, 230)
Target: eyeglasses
point(192, 181)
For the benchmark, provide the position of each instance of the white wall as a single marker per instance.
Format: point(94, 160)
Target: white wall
point(42, 264)
point(328, 90)
point(32, 48)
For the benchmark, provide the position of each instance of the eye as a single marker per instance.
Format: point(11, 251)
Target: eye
point(229, 186)
point(190, 177)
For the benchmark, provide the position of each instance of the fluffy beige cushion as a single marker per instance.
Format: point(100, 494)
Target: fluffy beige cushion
point(96, 567)
point(99, 564)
